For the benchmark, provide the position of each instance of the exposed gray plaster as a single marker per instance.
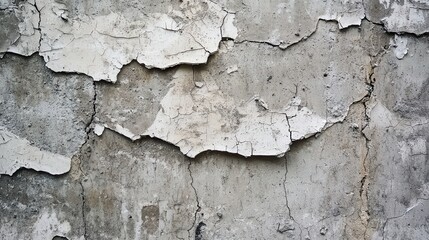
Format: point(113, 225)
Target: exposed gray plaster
point(44, 114)
point(260, 21)
point(397, 157)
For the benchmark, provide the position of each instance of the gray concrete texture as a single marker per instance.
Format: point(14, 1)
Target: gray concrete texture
point(214, 119)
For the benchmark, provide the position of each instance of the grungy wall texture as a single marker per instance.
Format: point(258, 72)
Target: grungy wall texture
point(214, 119)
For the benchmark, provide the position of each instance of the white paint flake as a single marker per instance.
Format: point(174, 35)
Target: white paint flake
point(48, 226)
point(16, 153)
point(400, 48)
point(228, 28)
point(303, 123)
point(98, 129)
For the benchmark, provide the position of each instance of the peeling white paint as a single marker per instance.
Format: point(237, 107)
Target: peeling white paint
point(204, 118)
point(228, 28)
point(125, 132)
point(48, 226)
point(240, 105)
point(99, 46)
point(98, 129)
point(25, 38)
point(93, 47)
point(349, 13)
point(408, 16)
point(303, 123)
point(16, 153)
point(399, 44)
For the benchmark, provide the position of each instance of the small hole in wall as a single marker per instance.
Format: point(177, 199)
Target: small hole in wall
point(59, 238)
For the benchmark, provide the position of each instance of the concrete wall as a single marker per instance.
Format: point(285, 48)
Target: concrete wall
point(214, 119)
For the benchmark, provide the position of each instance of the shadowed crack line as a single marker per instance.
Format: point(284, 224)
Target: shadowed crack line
point(196, 197)
point(38, 24)
point(364, 182)
point(400, 216)
point(88, 129)
point(287, 200)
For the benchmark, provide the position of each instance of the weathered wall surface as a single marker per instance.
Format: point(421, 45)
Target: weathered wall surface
point(214, 119)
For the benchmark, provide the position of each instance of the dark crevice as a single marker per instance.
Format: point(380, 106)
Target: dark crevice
point(88, 126)
point(88, 129)
point(285, 190)
point(290, 135)
point(221, 26)
point(85, 232)
point(199, 231)
point(59, 238)
point(364, 182)
point(197, 200)
point(38, 24)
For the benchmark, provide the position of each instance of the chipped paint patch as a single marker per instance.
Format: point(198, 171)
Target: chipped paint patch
point(400, 16)
point(20, 29)
point(99, 129)
point(207, 119)
point(410, 16)
point(399, 45)
point(18, 153)
point(48, 226)
point(202, 119)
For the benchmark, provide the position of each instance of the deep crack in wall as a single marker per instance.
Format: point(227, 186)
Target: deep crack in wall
point(214, 119)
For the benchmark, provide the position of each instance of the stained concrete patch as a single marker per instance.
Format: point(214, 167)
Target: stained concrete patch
point(9, 32)
point(150, 218)
point(40, 206)
point(143, 188)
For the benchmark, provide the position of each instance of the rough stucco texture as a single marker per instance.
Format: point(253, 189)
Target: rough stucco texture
point(214, 119)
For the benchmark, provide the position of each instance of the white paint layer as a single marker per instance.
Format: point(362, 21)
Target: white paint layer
point(100, 45)
point(198, 119)
point(16, 153)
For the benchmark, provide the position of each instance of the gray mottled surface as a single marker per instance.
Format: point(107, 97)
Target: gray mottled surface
point(333, 94)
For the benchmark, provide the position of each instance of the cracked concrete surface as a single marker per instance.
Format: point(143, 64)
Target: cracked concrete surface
point(44, 113)
point(215, 120)
point(99, 43)
point(18, 153)
point(255, 109)
point(409, 16)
